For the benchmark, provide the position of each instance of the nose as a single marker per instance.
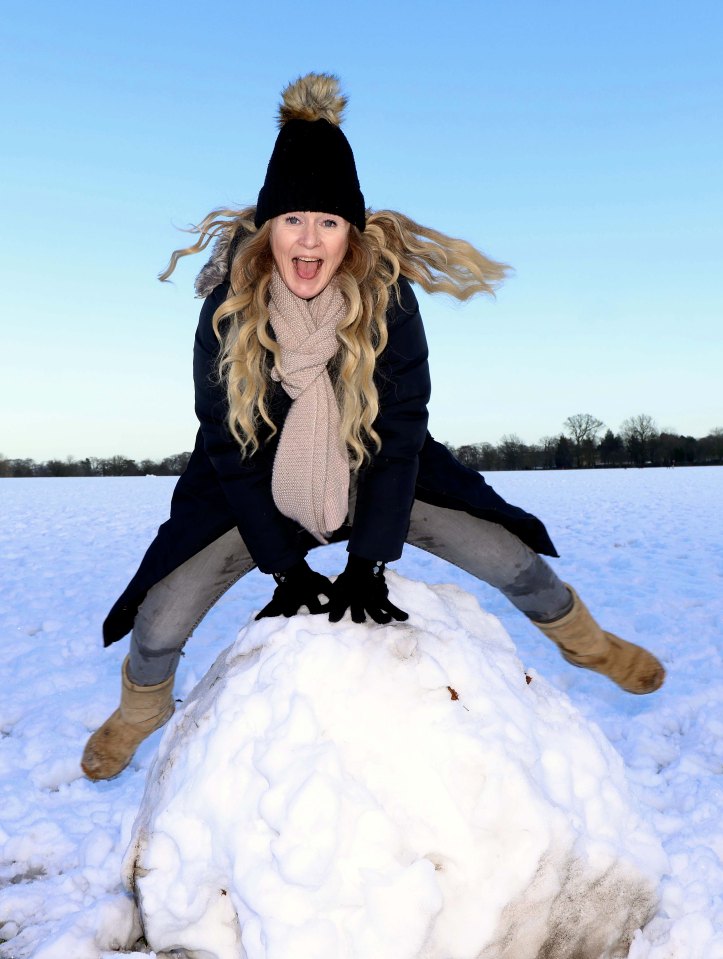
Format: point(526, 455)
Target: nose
point(310, 235)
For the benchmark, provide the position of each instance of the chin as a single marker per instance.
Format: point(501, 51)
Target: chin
point(309, 294)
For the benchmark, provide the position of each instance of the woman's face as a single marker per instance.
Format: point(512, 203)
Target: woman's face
point(308, 249)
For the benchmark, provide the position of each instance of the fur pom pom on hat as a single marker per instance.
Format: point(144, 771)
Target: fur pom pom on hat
point(312, 165)
point(317, 96)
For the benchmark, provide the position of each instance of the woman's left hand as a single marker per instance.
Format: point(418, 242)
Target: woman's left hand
point(362, 589)
point(296, 587)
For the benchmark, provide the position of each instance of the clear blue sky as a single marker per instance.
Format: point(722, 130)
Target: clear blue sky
point(580, 142)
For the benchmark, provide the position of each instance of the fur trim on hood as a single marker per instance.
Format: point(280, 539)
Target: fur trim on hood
point(217, 268)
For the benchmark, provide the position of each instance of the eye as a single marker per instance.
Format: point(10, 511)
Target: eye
point(329, 223)
point(292, 220)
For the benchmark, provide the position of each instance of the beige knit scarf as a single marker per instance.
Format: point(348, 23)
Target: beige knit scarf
point(310, 481)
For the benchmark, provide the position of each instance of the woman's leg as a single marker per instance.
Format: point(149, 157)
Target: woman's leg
point(167, 617)
point(494, 555)
point(498, 557)
point(174, 607)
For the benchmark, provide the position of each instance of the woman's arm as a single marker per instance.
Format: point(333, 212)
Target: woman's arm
point(386, 487)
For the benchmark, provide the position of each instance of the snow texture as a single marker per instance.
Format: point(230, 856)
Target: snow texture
point(643, 547)
point(366, 792)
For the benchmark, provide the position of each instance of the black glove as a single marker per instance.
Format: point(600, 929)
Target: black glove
point(296, 587)
point(362, 588)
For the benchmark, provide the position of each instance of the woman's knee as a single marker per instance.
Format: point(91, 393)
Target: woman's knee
point(174, 607)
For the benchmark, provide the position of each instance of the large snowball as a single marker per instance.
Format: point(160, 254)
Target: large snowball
point(401, 792)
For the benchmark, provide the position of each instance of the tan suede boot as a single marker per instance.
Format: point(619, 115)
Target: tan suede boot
point(583, 643)
point(142, 710)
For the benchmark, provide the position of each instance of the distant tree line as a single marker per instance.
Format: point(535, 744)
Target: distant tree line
point(96, 466)
point(581, 444)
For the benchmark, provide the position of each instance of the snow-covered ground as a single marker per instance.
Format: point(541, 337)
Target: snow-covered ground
point(644, 548)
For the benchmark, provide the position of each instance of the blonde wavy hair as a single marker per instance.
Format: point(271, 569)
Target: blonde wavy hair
point(390, 246)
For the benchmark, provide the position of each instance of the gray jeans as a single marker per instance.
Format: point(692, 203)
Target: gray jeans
point(177, 604)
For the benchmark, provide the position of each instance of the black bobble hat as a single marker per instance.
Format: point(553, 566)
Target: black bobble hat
point(312, 166)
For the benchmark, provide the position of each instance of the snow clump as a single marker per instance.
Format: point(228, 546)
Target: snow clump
point(344, 791)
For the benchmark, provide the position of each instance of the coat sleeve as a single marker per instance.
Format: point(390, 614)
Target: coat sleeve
point(274, 541)
point(385, 492)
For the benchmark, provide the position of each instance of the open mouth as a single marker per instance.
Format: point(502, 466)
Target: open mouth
point(307, 267)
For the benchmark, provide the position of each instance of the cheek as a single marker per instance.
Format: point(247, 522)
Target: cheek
point(277, 253)
point(279, 245)
point(340, 253)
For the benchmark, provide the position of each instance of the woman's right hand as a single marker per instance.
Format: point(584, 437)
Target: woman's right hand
point(296, 587)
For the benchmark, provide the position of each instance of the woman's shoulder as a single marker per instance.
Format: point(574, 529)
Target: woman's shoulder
point(205, 334)
point(215, 298)
point(403, 304)
point(406, 336)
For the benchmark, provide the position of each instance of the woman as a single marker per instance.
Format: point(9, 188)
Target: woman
point(311, 380)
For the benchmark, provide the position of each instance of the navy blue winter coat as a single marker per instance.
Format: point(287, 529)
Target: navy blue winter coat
point(220, 490)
